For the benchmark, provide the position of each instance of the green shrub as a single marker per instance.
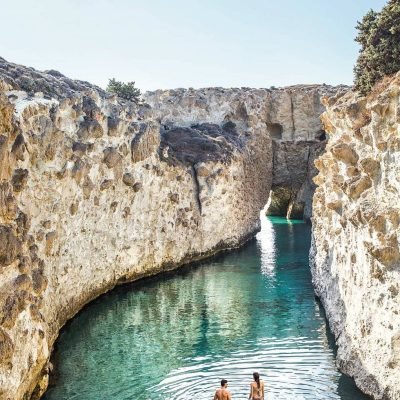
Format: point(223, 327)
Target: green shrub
point(126, 91)
point(379, 37)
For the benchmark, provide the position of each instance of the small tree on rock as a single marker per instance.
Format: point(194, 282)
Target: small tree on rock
point(126, 91)
point(379, 37)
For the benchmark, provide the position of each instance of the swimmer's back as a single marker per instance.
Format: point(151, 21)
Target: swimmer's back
point(222, 394)
point(257, 393)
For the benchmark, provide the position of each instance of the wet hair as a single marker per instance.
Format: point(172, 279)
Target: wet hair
point(256, 377)
point(224, 382)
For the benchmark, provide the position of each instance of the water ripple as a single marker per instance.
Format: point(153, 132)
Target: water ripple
point(294, 368)
point(175, 338)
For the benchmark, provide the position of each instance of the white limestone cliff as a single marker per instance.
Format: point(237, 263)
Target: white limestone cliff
point(356, 229)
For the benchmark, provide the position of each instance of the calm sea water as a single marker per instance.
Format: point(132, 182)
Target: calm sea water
point(174, 338)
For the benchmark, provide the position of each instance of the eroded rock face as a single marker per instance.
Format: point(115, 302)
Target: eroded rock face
point(356, 230)
point(51, 83)
point(289, 116)
point(91, 195)
point(95, 192)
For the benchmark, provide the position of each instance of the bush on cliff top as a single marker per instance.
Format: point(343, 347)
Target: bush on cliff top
point(379, 37)
point(126, 91)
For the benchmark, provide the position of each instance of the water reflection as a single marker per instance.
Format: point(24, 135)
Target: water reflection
point(266, 243)
point(175, 338)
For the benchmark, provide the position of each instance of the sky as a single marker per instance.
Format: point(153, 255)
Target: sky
point(162, 44)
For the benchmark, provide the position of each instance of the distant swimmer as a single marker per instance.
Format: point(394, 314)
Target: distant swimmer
point(223, 393)
point(256, 388)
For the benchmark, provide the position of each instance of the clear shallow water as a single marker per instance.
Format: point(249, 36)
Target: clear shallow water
point(174, 338)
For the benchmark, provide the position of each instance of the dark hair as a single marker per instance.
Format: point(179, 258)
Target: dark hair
point(224, 382)
point(256, 377)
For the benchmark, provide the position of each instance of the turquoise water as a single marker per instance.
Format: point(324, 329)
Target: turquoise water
point(175, 337)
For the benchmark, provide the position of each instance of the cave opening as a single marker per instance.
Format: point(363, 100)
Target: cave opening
point(282, 202)
point(275, 131)
point(321, 135)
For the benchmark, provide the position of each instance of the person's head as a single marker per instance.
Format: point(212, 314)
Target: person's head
point(256, 377)
point(224, 383)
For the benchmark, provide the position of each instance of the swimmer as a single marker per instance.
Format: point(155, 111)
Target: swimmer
point(223, 393)
point(256, 388)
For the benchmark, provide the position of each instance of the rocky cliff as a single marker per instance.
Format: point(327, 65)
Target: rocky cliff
point(356, 230)
point(95, 191)
point(290, 116)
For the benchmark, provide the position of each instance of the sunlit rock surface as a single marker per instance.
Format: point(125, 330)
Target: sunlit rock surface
point(289, 116)
point(95, 191)
point(355, 253)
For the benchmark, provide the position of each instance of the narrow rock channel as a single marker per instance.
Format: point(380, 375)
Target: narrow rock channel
point(175, 337)
point(96, 191)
